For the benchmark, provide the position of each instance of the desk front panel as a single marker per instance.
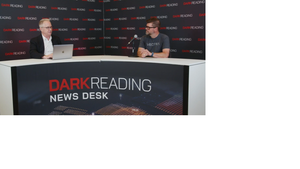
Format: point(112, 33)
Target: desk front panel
point(100, 88)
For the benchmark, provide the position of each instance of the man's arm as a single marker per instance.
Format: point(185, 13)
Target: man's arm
point(142, 52)
point(166, 49)
point(164, 54)
point(33, 50)
point(50, 56)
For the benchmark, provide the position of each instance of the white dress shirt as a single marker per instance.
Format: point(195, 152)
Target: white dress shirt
point(48, 45)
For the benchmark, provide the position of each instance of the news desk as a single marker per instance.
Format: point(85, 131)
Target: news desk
point(103, 85)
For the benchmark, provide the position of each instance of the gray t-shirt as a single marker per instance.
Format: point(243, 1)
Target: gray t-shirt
point(155, 45)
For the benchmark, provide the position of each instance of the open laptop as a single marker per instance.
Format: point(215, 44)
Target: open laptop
point(63, 51)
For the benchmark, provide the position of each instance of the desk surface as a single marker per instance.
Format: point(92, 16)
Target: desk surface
point(111, 58)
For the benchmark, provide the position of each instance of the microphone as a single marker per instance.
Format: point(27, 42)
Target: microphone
point(134, 37)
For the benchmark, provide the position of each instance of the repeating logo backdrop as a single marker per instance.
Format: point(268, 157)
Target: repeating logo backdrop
point(98, 27)
point(182, 20)
point(75, 21)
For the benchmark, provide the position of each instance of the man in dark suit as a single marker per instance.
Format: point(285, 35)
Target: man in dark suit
point(42, 45)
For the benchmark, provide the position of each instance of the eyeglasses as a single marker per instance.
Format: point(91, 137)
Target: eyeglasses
point(49, 27)
point(147, 27)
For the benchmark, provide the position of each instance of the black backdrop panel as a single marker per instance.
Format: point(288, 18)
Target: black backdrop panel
point(97, 27)
point(182, 21)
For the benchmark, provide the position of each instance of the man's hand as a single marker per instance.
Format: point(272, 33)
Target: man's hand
point(50, 56)
point(146, 53)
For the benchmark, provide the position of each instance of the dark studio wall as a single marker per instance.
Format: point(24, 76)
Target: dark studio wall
point(97, 27)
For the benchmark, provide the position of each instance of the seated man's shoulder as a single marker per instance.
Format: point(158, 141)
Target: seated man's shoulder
point(35, 38)
point(54, 36)
point(164, 35)
point(145, 36)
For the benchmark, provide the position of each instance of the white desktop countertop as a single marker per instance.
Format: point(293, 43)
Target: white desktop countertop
point(110, 58)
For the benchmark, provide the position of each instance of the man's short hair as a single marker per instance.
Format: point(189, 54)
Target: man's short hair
point(154, 21)
point(42, 21)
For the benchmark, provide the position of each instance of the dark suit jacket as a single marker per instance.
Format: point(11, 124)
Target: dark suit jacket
point(37, 46)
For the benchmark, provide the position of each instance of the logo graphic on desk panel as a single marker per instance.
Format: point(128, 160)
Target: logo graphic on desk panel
point(106, 88)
